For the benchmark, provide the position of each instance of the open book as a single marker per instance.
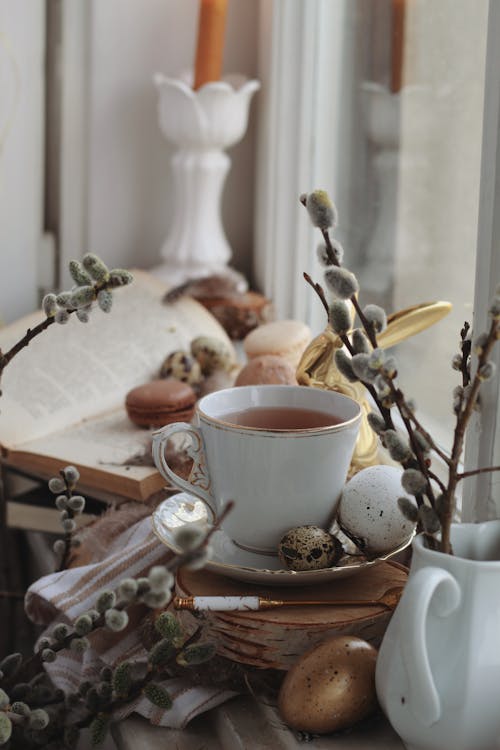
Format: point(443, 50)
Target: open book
point(63, 396)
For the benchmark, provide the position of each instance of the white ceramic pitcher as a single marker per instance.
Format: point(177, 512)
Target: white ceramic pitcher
point(438, 670)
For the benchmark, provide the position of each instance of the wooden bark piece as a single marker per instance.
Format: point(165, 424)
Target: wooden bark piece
point(276, 638)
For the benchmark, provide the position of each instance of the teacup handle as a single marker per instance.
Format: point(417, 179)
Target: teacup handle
point(426, 585)
point(199, 480)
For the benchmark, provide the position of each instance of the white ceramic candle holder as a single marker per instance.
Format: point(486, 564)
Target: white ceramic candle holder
point(201, 124)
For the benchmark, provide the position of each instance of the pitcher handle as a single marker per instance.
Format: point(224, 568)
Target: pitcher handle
point(199, 480)
point(418, 594)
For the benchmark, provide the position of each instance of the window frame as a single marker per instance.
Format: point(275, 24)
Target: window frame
point(481, 496)
point(301, 47)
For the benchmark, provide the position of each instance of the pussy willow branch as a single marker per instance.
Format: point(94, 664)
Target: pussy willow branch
point(485, 470)
point(435, 448)
point(345, 340)
point(319, 291)
point(29, 336)
point(436, 479)
point(68, 535)
point(31, 333)
point(106, 709)
point(397, 395)
point(411, 422)
point(458, 438)
point(333, 260)
point(35, 661)
point(153, 673)
point(331, 256)
point(385, 412)
point(466, 345)
point(186, 557)
point(402, 407)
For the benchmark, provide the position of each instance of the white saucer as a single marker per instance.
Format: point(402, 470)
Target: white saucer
point(229, 560)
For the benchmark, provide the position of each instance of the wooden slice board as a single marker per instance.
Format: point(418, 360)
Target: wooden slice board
point(276, 638)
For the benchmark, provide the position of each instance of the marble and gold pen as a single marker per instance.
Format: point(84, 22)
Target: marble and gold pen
point(254, 603)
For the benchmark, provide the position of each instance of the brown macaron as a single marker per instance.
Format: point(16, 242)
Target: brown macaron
point(160, 402)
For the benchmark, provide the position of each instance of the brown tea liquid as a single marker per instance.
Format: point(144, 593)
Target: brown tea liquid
point(281, 418)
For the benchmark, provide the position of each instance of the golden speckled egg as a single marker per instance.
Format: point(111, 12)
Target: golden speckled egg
point(309, 548)
point(331, 687)
point(181, 366)
point(212, 354)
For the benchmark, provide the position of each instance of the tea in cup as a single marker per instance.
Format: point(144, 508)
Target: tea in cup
point(280, 452)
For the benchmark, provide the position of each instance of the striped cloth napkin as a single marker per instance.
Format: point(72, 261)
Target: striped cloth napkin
point(62, 597)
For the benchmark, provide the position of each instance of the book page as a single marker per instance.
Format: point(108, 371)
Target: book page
point(109, 442)
point(79, 370)
point(112, 454)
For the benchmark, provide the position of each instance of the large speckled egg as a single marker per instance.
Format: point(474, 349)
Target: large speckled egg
point(181, 366)
point(212, 354)
point(309, 548)
point(369, 512)
point(331, 687)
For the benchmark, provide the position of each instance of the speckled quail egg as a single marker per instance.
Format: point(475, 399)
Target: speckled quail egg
point(309, 548)
point(181, 366)
point(369, 512)
point(212, 354)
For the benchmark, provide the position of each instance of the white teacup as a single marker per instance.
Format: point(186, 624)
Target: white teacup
point(278, 478)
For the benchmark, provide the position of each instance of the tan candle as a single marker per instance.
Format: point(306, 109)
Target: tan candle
point(210, 45)
point(397, 44)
